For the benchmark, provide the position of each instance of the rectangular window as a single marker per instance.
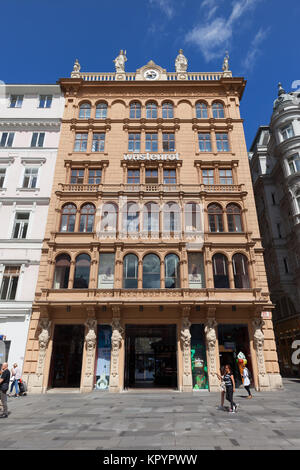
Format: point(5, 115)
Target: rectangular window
point(133, 176)
point(208, 177)
point(151, 142)
point(7, 139)
point(9, 283)
point(151, 175)
point(287, 132)
point(30, 178)
point(106, 271)
point(294, 163)
point(204, 142)
point(169, 176)
point(37, 139)
point(2, 177)
point(20, 225)
point(222, 142)
point(196, 271)
point(95, 176)
point(134, 142)
point(16, 101)
point(98, 142)
point(77, 176)
point(168, 142)
point(45, 101)
point(81, 143)
point(225, 177)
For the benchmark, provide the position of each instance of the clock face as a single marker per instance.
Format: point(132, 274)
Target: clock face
point(151, 74)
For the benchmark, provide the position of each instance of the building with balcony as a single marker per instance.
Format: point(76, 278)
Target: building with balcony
point(30, 118)
point(152, 271)
point(275, 168)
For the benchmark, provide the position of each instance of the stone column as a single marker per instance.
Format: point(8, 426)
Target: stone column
point(211, 339)
point(90, 347)
point(36, 384)
point(185, 336)
point(116, 342)
point(258, 342)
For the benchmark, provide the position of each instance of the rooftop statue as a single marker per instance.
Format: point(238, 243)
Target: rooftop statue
point(225, 67)
point(76, 70)
point(181, 62)
point(120, 62)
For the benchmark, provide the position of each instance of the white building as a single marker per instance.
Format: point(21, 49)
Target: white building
point(30, 118)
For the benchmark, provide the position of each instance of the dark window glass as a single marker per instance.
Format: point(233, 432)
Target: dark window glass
point(130, 272)
point(172, 274)
point(151, 272)
point(234, 218)
point(62, 272)
point(82, 272)
point(215, 218)
point(87, 215)
point(68, 218)
point(240, 271)
point(221, 279)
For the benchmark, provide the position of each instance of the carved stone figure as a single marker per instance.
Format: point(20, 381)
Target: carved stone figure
point(181, 62)
point(211, 339)
point(116, 341)
point(225, 67)
point(185, 336)
point(259, 340)
point(90, 342)
point(76, 70)
point(120, 62)
point(44, 337)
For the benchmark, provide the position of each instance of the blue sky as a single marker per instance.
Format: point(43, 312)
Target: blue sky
point(40, 40)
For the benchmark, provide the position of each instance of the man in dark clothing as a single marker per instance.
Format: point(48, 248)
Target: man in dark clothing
point(4, 384)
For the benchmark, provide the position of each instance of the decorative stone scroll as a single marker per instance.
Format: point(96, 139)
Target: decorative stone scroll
point(44, 326)
point(116, 341)
point(185, 336)
point(90, 345)
point(211, 340)
point(259, 339)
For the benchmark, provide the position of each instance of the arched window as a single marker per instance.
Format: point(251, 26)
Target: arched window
point(130, 272)
point(218, 110)
point(101, 111)
point(135, 110)
point(234, 218)
point(82, 272)
point(220, 269)
point(172, 272)
point(151, 219)
point(131, 218)
point(171, 219)
point(87, 215)
point(85, 111)
point(62, 271)
point(240, 271)
point(192, 217)
point(201, 111)
point(109, 218)
point(151, 111)
point(167, 110)
point(215, 218)
point(68, 216)
point(151, 272)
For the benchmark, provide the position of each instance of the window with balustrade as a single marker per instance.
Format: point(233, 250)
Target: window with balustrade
point(169, 176)
point(77, 176)
point(151, 176)
point(94, 176)
point(208, 176)
point(225, 176)
point(133, 176)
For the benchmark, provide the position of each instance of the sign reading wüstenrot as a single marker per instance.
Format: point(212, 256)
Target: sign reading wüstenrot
point(151, 156)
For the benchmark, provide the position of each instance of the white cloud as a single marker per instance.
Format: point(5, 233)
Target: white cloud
point(255, 49)
point(166, 6)
point(213, 36)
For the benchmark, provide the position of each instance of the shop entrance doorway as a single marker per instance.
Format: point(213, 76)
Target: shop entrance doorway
point(66, 362)
point(150, 357)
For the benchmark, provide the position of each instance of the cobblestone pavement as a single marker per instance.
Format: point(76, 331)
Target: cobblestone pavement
point(168, 420)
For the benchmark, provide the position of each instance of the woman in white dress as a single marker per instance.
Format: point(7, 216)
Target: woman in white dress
point(246, 381)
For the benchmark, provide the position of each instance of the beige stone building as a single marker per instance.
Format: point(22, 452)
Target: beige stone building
point(152, 271)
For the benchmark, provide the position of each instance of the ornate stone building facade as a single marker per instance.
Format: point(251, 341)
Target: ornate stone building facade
point(275, 168)
point(152, 272)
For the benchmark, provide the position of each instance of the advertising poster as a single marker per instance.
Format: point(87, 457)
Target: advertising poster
point(103, 357)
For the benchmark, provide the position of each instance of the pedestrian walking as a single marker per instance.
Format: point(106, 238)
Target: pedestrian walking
point(246, 380)
point(16, 375)
point(228, 379)
point(4, 384)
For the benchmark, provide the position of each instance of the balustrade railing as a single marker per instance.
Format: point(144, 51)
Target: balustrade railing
point(149, 188)
point(131, 76)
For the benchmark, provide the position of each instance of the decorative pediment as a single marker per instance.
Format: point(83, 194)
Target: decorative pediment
point(151, 72)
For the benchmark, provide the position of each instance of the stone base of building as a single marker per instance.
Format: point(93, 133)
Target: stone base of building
point(275, 382)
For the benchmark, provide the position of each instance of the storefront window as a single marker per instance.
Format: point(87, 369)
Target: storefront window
point(106, 271)
point(196, 271)
point(198, 358)
point(234, 339)
point(103, 357)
